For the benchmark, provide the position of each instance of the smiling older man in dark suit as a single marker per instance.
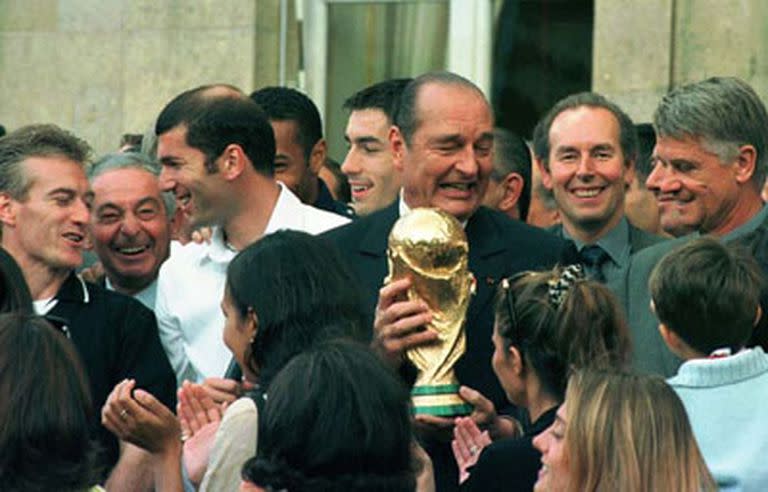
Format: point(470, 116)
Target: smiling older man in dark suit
point(442, 143)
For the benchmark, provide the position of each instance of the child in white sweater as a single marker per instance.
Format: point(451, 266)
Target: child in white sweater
point(707, 298)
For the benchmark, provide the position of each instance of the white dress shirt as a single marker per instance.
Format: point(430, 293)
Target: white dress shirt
point(191, 285)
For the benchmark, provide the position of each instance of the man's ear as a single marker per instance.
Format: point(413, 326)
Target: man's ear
point(512, 186)
point(745, 164)
point(629, 174)
point(546, 177)
point(397, 147)
point(233, 161)
point(317, 156)
point(7, 210)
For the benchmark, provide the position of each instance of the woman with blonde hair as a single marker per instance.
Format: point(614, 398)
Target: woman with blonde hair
point(620, 431)
point(547, 324)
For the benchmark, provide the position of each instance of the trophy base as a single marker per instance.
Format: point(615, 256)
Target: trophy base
point(439, 400)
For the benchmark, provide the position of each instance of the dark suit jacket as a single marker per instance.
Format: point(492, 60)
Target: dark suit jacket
point(498, 247)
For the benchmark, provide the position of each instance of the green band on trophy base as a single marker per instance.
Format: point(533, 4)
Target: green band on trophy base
point(443, 389)
point(444, 410)
point(442, 400)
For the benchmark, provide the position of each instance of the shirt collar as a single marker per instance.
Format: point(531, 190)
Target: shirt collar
point(285, 215)
point(74, 289)
point(749, 226)
point(146, 296)
point(615, 242)
point(219, 251)
point(324, 199)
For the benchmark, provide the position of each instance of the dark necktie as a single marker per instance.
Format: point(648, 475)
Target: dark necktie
point(594, 257)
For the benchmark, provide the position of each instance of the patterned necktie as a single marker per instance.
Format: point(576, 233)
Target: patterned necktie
point(594, 257)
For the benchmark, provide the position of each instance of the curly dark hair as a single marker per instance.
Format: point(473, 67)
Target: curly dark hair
point(348, 431)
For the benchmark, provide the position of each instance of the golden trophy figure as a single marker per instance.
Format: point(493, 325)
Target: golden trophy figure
point(429, 246)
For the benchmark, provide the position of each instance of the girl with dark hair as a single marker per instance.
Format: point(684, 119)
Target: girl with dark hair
point(45, 409)
point(348, 431)
point(547, 324)
point(284, 293)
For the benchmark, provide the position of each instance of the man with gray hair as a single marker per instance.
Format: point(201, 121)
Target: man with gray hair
point(509, 189)
point(709, 164)
point(130, 223)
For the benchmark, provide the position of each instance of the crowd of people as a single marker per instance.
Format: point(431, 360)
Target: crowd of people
point(231, 325)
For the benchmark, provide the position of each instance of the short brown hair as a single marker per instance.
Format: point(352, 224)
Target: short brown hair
point(707, 293)
point(35, 141)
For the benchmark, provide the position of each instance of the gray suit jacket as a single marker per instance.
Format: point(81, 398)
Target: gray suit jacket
point(651, 354)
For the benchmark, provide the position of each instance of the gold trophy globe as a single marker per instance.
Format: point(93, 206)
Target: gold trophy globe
point(430, 247)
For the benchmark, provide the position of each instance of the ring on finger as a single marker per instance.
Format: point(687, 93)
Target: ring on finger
point(473, 450)
point(123, 414)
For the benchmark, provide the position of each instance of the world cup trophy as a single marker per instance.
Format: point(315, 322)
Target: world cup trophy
point(430, 247)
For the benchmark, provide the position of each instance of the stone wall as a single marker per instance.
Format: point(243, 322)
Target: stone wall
point(102, 68)
point(644, 48)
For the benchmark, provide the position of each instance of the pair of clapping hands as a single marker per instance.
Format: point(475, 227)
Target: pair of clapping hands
point(137, 417)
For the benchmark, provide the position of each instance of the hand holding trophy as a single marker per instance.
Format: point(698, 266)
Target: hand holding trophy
point(429, 247)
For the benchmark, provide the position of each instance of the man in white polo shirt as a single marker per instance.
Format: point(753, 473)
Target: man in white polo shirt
point(217, 150)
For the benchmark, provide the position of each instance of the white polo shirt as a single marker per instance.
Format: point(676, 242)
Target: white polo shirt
point(191, 285)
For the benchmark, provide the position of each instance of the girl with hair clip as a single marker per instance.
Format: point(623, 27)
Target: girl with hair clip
point(284, 294)
point(620, 431)
point(547, 324)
